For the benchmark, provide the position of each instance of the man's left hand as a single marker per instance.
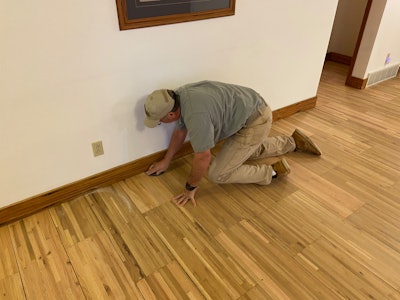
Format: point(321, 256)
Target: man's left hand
point(183, 198)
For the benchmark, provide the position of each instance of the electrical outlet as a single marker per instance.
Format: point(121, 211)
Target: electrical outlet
point(97, 148)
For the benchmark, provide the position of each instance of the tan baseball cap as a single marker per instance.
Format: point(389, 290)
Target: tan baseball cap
point(158, 104)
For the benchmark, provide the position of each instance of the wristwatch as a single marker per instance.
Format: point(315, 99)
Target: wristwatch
point(189, 187)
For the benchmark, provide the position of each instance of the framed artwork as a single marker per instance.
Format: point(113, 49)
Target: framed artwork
point(145, 13)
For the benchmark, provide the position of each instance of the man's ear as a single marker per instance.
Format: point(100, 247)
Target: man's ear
point(174, 115)
point(171, 115)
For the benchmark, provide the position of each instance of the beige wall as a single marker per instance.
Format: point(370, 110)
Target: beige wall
point(346, 26)
point(387, 39)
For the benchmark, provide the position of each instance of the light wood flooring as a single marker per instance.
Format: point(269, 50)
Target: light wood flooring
point(329, 230)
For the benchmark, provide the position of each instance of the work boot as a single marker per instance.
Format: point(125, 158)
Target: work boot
point(304, 143)
point(281, 168)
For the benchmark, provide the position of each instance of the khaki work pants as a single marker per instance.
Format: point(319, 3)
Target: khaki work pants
point(249, 143)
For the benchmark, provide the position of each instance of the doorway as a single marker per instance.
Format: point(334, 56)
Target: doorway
point(347, 33)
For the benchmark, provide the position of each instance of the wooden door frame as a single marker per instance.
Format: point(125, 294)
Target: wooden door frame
point(355, 82)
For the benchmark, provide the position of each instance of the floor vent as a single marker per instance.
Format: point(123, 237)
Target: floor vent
point(383, 74)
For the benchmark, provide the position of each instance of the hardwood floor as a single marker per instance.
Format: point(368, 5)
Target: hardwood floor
point(329, 230)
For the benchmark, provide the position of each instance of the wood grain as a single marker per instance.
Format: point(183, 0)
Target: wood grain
point(329, 230)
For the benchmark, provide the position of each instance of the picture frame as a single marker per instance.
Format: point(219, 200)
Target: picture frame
point(145, 13)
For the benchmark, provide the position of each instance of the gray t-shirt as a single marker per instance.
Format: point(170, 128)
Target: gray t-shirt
point(212, 111)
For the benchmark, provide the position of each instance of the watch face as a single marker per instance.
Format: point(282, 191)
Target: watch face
point(189, 187)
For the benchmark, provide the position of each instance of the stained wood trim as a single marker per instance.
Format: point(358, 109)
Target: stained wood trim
point(294, 108)
point(175, 17)
point(355, 82)
point(339, 58)
point(350, 80)
point(70, 191)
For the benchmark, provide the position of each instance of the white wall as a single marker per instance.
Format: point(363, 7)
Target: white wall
point(69, 77)
point(381, 36)
point(388, 38)
point(346, 26)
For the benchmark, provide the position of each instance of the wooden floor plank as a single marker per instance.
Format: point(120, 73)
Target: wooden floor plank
point(200, 255)
point(10, 280)
point(364, 248)
point(130, 230)
point(45, 268)
point(338, 270)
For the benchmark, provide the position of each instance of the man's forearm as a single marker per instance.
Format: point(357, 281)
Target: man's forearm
point(176, 142)
point(200, 164)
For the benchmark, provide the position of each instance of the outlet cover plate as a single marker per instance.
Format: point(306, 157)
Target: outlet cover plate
point(97, 148)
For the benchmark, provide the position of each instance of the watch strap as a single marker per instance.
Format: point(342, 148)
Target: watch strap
point(189, 187)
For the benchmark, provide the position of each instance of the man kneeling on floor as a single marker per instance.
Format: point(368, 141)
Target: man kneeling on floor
point(212, 111)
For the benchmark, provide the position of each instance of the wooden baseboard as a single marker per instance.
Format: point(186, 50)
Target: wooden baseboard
point(287, 111)
point(78, 188)
point(73, 190)
point(355, 82)
point(339, 58)
point(351, 81)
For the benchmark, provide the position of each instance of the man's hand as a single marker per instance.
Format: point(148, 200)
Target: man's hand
point(176, 142)
point(158, 167)
point(183, 198)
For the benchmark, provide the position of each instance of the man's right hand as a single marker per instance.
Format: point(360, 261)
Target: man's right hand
point(158, 168)
point(176, 142)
